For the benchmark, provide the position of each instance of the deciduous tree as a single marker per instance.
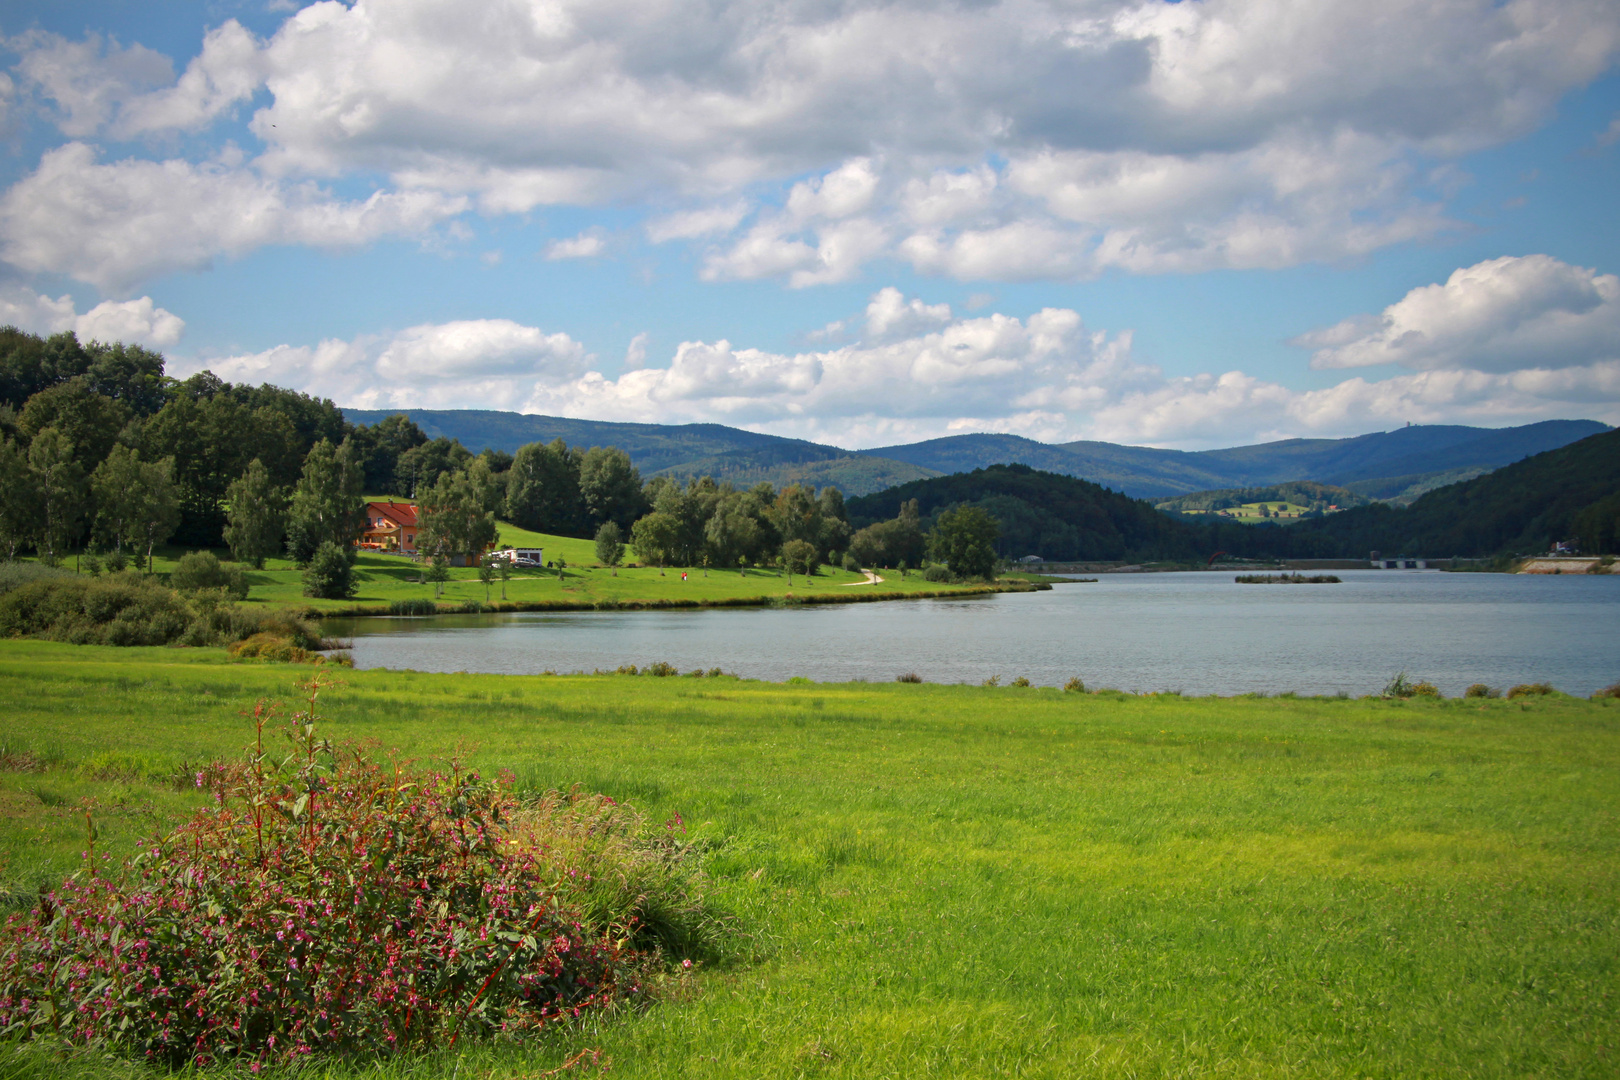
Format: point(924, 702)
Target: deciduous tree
point(257, 516)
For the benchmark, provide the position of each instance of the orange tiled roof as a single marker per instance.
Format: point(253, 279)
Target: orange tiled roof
point(400, 513)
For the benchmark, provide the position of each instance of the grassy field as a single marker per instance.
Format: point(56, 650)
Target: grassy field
point(972, 881)
point(383, 579)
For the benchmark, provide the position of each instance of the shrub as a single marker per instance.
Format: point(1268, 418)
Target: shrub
point(1426, 689)
point(119, 610)
point(909, 677)
point(1480, 690)
point(1610, 691)
point(1020, 681)
point(201, 570)
point(415, 606)
point(14, 575)
point(1539, 689)
point(994, 680)
point(937, 572)
point(270, 647)
point(329, 575)
point(1402, 687)
point(851, 563)
point(660, 669)
point(1075, 685)
point(331, 905)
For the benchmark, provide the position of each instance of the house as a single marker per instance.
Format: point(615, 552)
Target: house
point(390, 526)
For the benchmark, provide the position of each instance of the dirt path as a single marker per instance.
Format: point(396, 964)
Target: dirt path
point(871, 579)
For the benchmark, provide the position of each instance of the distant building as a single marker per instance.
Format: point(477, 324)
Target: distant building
point(1028, 560)
point(390, 526)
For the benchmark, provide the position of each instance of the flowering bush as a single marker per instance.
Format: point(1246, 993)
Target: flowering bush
point(335, 904)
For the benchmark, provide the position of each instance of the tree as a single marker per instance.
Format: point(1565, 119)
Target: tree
point(19, 498)
point(609, 544)
point(504, 566)
point(964, 539)
point(156, 510)
point(88, 420)
point(326, 505)
point(257, 518)
point(382, 445)
point(486, 573)
point(454, 518)
point(329, 575)
point(542, 489)
point(609, 486)
point(60, 483)
point(656, 538)
point(800, 555)
point(421, 466)
point(115, 485)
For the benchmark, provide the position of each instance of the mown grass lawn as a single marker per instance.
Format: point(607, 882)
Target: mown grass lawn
point(973, 881)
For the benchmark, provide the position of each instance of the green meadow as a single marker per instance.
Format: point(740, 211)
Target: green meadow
point(383, 579)
point(955, 881)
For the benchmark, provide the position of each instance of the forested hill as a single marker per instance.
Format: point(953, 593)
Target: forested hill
point(1569, 493)
point(1059, 518)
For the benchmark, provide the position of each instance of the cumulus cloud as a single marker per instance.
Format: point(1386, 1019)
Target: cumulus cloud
point(1500, 315)
point(921, 371)
point(116, 224)
point(995, 140)
point(87, 81)
point(586, 245)
point(138, 322)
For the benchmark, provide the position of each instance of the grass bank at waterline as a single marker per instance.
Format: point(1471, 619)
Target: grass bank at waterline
point(383, 581)
point(978, 881)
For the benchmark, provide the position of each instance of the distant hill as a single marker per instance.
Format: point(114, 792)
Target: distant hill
point(1059, 518)
point(1418, 457)
point(1413, 453)
point(678, 450)
point(1520, 508)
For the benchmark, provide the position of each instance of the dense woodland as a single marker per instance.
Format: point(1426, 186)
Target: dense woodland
point(101, 448)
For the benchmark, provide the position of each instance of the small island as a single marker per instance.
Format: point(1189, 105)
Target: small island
point(1287, 579)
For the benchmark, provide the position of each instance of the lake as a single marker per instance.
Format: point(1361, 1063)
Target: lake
point(1199, 633)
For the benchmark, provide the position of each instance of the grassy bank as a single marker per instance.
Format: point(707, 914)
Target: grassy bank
point(382, 580)
point(971, 881)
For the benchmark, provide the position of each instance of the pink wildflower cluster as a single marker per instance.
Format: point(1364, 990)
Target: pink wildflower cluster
point(327, 905)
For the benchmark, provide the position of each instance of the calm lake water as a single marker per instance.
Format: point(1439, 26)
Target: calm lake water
point(1199, 633)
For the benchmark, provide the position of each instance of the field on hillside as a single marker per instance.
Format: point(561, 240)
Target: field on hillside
point(383, 579)
point(974, 881)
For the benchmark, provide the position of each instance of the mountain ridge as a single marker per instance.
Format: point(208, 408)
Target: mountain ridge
point(1415, 455)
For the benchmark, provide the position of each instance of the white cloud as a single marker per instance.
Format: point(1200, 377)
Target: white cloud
point(228, 71)
point(1500, 315)
point(890, 313)
point(996, 140)
point(485, 347)
point(137, 322)
point(694, 224)
point(483, 363)
point(924, 372)
point(116, 224)
point(87, 80)
point(586, 245)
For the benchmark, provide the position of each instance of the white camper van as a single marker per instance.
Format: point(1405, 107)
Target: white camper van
point(522, 556)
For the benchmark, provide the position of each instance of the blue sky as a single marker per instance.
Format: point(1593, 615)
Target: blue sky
point(1188, 225)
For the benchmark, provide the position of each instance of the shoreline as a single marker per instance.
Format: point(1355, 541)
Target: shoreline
point(503, 607)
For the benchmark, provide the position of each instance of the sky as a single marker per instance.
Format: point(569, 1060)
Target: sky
point(1188, 225)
